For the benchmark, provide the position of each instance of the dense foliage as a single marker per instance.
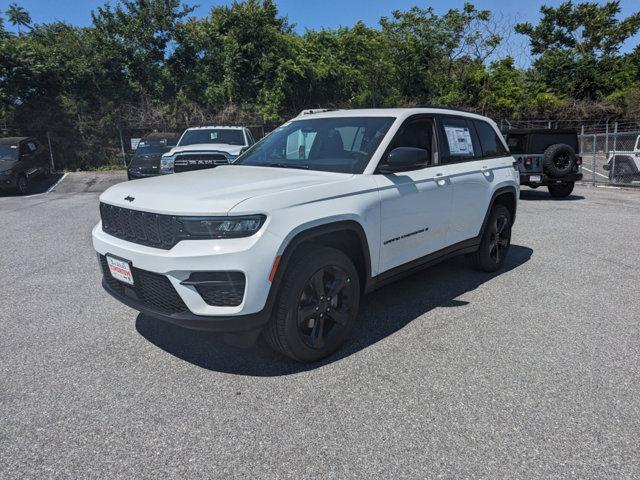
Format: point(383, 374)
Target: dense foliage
point(151, 63)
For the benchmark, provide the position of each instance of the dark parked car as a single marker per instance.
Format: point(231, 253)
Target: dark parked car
point(547, 157)
point(146, 158)
point(22, 159)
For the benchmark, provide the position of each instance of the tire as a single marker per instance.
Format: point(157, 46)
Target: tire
point(623, 173)
point(22, 185)
point(558, 160)
point(304, 323)
point(492, 251)
point(561, 190)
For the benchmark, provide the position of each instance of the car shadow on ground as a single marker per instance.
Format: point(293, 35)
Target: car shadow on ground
point(543, 194)
point(36, 186)
point(388, 310)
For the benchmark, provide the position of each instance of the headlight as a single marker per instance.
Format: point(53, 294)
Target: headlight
point(166, 164)
point(221, 227)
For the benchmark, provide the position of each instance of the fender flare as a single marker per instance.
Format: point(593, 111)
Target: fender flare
point(322, 229)
point(500, 191)
point(308, 234)
point(623, 160)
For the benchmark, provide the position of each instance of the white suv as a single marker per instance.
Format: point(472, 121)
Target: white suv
point(206, 147)
point(326, 208)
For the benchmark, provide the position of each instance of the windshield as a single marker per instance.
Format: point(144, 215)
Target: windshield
point(155, 148)
point(343, 145)
point(212, 135)
point(8, 152)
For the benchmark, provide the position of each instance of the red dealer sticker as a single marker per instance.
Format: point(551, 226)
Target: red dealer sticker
point(120, 270)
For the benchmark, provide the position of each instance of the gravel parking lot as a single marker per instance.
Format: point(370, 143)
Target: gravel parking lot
point(531, 373)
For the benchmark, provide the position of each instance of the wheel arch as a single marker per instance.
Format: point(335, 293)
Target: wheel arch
point(507, 196)
point(347, 236)
point(618, 160)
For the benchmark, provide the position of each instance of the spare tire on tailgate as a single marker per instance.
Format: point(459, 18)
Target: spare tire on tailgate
point(558, 160)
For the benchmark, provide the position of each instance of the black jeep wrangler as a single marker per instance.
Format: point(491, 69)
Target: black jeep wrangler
point(546, 157)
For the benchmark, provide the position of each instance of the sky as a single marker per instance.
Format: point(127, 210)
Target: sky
point(316, 14)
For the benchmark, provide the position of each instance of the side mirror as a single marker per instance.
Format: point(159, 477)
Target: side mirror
point(402, 159)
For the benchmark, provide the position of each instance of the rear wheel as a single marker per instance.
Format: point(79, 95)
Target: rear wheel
point(317, 305)
point(495, 242)
point(561, 190)
point(22, 185)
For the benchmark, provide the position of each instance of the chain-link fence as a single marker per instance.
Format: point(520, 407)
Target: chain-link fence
point(610, 150)
point(611, 157)
point(109, 146)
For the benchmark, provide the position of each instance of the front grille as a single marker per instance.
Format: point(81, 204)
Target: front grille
point(148, 171)
point(152, 290)
point(219, 289)
point(150, 229)
point(190, 162)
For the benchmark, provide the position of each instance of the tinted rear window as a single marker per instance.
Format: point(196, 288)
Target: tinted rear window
point(490, 141)
point(516, 143)
point(537, 143)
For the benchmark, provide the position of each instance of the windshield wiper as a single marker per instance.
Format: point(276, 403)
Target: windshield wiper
point(289, 165)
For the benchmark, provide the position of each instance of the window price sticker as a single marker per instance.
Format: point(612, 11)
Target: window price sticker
point(459, 139)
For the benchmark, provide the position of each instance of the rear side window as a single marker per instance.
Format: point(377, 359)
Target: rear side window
point(490, 141)
point(460, 140)
point(516, 143)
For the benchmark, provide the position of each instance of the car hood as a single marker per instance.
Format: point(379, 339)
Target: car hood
point(207, 147)
point(213, 191)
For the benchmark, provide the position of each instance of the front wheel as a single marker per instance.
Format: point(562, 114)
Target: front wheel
point(561, 190)
point(47, 173)
point(495, 242)
point(317, 304)
point(22, 185)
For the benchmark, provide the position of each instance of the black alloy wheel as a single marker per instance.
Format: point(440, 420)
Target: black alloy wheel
point(317, 304)
point(495, 241)
point(22, 185)
point(562, 160)
point(500, 237)
point(325, 306)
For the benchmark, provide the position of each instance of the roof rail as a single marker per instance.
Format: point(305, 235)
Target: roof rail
point(444, 107)
point(311, 111)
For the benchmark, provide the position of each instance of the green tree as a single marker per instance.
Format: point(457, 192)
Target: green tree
point(134, 37)
point(18, 17)
point(577, 48)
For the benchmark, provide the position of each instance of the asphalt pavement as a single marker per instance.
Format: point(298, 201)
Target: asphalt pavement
point(529, 373)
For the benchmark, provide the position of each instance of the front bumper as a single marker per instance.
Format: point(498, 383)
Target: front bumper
point(253, 256)
point(133, 174)
point(225, 324)
point(525, 179)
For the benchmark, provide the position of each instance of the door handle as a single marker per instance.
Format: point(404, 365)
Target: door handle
point(441, 179)
point(486, 171)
